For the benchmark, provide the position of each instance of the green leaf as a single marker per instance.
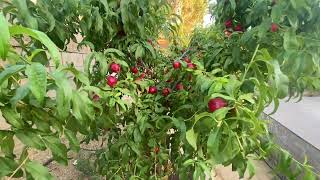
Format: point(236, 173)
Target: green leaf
point(98, 26)
point(21, 93)
point(230, 150)
point(233, 4)
point(34, 54)
point(6, 143)
point(116, 51)
point(151, 49)
point(290, 41)
point(293, 19)
point(251, 168)
point(87, 63)
point(31, 139)
point(42, 37)
point(137, 135)
point(45, 12)
point(309, 174)
point(105, 4)
point(248, 97)
point(37, 76)
point(74, 143)
point(281, 80)
point(7, 72)
point(82, 108)
point(139, 52)
point(192, 138)
point(276, 13)
point(25, 14)
point(214, 95)
point(12, 117)
point(37, 171)
point(59, 150)
point(4, 37)
point(188, 162)
point(64, 94)
point(134, 147)
point(79, 75)
point(213, 142)
point(8, 166)
point(200, 116)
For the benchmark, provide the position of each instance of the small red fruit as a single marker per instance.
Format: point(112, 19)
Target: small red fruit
point(142, 75)
point(156, 149)
point(179, 87)
point(274, 27)
point(228, 23)
point(166, 91)
point(238, 28)
point(115, 67)
point(191, 65)
point(153, 90)
point(134, 70)
point(176, 65)
point(187, 60)
point(216, 103)
point(112, 81)
point(96, 98)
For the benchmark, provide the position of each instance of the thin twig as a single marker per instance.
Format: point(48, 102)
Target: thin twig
point(115, 172)
point(19, 167)
point(155, 166)
point(250, 64)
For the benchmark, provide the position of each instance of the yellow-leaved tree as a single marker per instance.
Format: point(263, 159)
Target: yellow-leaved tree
point(191, 13)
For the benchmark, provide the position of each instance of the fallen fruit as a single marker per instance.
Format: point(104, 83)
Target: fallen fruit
point(216, 103)
point(112, 81)
point(176, 65)
point(134, 70)
point(153, 90)
point(115, 67)
point(166, 91)
point(274, 27)
point(179, 87)
point(228, 23)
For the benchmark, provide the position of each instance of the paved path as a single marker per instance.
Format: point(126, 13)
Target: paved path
point(303, 118)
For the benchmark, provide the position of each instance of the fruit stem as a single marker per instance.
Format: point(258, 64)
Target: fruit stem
point(250, 64)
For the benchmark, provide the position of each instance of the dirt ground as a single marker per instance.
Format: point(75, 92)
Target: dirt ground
point(70, 172)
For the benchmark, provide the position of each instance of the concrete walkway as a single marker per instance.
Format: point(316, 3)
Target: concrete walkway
point(302, 118)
